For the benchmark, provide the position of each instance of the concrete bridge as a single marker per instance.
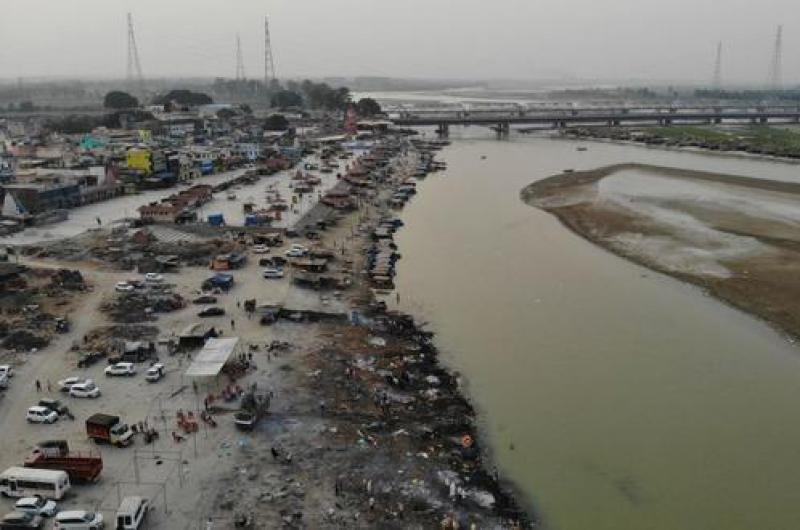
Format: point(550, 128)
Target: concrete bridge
point(502, 121)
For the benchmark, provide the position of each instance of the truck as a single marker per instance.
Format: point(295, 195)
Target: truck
point(55, 454)
point(106, 428)
point(254, 407)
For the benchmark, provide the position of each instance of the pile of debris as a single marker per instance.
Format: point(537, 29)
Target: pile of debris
point(70, 280)
point(140, 307)
point(25, 340)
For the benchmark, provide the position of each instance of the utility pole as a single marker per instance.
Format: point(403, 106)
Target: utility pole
point(269, 64)
point(775, 74)
point(134, 72)
point(717, 82)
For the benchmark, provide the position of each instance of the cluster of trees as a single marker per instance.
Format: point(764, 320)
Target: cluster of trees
point(119, 100)
point(116, 99)
point(81, 124)
point(749, 95)
point(183, 97)
point(276, 122)
point(320, 96)
point(309, 94)
point(23, 106)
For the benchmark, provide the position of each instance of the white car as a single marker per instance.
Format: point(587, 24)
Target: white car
point(154, 373)
point(36, 506)
point(84, 390)
point(65, 384)
point(37, 414)
point(152, 277)
point(120, 369)
point(123, 287)
point(296, 252)
point(273, 273)
point(261, 249)
point(6, 370)
point(78, 520)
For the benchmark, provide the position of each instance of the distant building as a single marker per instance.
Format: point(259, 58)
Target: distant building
point(161, 213)
point(147, 161)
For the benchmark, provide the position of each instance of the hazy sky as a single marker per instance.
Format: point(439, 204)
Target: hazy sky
point(526, 39)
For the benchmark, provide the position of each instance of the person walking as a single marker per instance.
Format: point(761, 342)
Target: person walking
point(38, 386)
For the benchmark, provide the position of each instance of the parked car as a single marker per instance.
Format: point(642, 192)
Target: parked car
point(205, 299)
point(211, 312)
point(6, 370)
point(65, 384)
point(123, 287)
point(38, 414)
point(260, 249)
point(152, 277)
point(296, 253)
point(20, 520)
point(120, 369)
point(78, 520)
point(273, 273)
point(54, 405)
point(85, 390)
point(155, 373)
point(37, 506)
point(88, 359)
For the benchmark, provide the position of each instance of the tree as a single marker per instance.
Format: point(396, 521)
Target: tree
point(368, 107)
point(276, 122)
point(117, 99)
point(184, 97)
point(286, 98)
point(226, 114)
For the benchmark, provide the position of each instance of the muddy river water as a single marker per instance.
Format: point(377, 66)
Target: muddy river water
point(614, 397)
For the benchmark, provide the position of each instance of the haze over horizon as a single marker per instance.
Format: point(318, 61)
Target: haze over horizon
point(643, 40)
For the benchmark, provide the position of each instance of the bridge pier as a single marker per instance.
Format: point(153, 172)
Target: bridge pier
point(503, 130)
point(443, 129)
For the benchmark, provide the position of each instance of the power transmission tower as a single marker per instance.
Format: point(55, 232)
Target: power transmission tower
point(134, 74)
point(269, 64)
point(775, 75)
point(239, 60)
point(717, 82)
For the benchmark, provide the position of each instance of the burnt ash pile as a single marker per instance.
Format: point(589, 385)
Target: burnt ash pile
point(415, 459)
point(141, 307)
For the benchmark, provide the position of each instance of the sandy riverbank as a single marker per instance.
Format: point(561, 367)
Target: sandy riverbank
point(735, 237)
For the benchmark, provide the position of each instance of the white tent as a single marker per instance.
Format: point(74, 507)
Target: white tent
point(210, 360)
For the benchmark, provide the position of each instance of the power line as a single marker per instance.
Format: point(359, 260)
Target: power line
point(775, 74)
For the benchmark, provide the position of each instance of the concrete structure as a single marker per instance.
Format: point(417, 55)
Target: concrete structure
point(501, 121)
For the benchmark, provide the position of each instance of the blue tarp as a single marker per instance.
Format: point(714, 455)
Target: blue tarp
point(221, 279)
point(216, 219)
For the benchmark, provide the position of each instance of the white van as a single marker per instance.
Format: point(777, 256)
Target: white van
point(131, 513)
point(29, 482)
point(78, 520)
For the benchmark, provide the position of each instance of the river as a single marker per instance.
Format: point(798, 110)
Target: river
point(613, 397)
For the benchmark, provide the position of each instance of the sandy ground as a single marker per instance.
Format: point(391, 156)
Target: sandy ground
point(734, 236)
point(354, 464)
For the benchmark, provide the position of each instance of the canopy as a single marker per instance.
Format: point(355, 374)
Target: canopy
point(210, 360)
